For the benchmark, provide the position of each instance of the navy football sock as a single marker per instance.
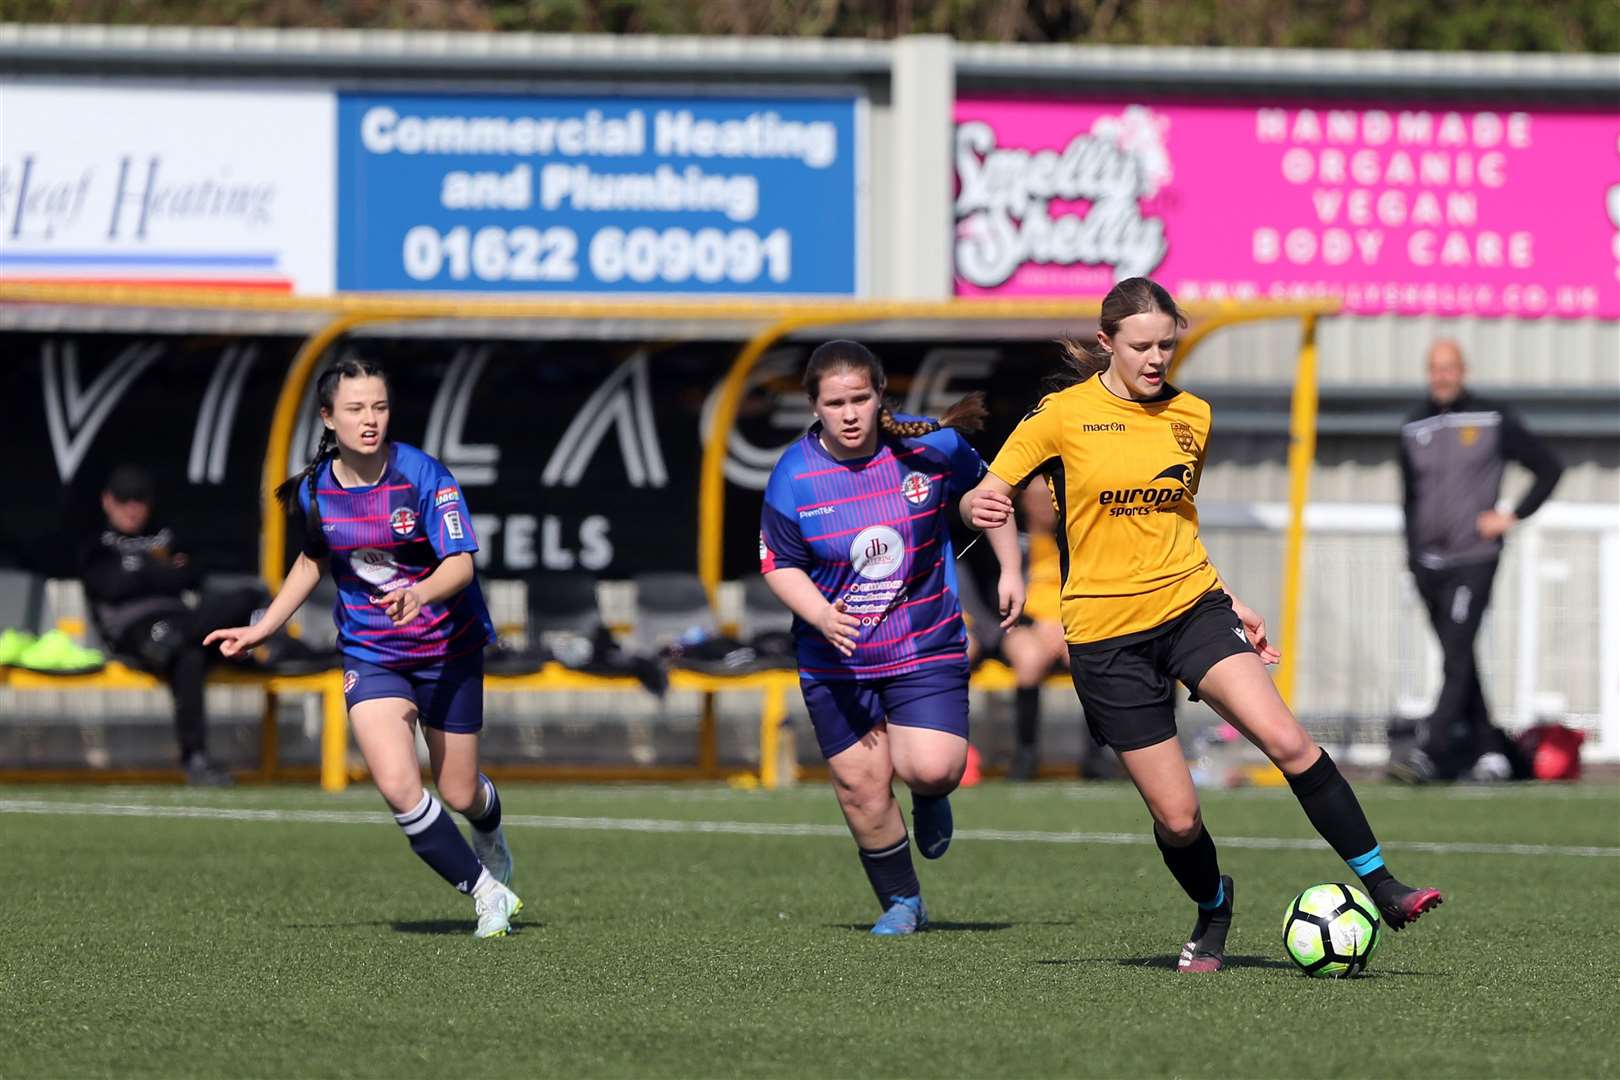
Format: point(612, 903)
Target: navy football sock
point(1333, 808)
point(890, 872)
point(1195, 868)
point(437, 842)
point(490, 819)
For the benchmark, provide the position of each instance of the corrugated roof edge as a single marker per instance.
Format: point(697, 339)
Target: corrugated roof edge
point(1531, 73)
point(351, 51)
point(44, 47)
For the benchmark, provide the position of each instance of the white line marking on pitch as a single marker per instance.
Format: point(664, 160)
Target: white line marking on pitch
point(758, 828)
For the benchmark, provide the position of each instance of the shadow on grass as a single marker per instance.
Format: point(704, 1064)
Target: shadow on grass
point(454, 927)
point(423, 926)
point(1233, 962)
point(431, 926)
point(934, 927)
point(1167, 963)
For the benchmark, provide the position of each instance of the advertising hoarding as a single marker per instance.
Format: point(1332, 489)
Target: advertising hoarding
point(599, 194)
point(1411, 208)
point(143, 185)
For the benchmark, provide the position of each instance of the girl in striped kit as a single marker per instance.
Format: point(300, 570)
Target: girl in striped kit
point(855, 540)
point(391, 524)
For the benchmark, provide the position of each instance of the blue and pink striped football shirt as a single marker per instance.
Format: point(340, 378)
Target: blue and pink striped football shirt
point(876, 532)
point(387, 536)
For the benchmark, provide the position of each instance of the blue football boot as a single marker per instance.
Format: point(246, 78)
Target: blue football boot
point(906, 915)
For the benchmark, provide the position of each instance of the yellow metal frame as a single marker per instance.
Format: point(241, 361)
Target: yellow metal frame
point(1301, 456)
point(1211, 317)
point(116, 676)
point(283, 423)
point(773, 685)
point(385, 307)
point(711, 492)
point(784, 320)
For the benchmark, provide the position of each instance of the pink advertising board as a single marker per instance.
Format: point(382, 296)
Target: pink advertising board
point(1405, 208)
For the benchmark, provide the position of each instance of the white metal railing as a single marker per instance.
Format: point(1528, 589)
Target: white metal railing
point(1549, 648)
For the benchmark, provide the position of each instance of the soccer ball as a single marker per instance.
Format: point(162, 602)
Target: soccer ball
point(1331, 931)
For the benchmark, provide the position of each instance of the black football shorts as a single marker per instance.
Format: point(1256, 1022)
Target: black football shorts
point(1128, 692)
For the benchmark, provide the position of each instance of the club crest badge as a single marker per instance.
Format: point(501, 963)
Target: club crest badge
point(916, 488)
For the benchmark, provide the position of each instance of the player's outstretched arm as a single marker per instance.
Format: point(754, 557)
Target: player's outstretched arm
point(301, 581)
point(794, 588)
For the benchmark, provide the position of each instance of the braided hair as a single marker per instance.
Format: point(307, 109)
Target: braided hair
point(325, 392)
point(1133, 296)
point(966, 415)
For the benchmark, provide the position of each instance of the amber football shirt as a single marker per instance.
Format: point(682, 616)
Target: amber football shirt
point(1125, 475)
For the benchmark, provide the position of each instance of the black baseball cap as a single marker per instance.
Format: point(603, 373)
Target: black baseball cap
point(130, 483)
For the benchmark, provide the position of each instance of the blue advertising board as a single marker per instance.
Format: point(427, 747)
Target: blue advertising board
point(646, 194)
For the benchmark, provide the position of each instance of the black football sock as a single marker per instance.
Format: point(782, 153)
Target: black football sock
point(1333, 809)
point(1027, 712)
point(1195, 868)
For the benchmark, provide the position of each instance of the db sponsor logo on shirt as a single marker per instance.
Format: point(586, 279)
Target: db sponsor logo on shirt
point(445, 495)
point(403, 521)
point(374, 566)
point(916, 488)
point(877, 552)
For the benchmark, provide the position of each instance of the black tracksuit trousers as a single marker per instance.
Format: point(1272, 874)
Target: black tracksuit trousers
point(1459, 729)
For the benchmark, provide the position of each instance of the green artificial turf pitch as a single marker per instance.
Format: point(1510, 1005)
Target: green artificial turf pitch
point(704, 931)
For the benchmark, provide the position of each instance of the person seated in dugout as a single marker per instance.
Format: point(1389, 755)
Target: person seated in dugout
point(1035, 647)
point(1030, 647)
point(136, 576)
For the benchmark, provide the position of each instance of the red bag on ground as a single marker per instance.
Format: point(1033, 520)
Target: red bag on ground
point(1554, 751)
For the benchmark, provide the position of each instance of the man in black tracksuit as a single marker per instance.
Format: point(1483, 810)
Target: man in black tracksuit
point(1453, 450)
point(134, 576)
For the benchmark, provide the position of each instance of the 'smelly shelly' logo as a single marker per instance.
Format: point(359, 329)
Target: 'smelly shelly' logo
point(1004, 206)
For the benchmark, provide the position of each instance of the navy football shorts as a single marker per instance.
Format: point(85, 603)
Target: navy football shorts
point(448, 696)
point(842, 710)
